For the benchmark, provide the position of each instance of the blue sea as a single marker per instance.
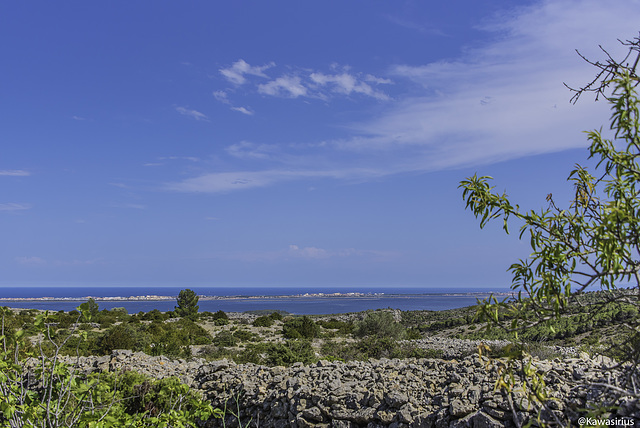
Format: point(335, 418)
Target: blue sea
point(386, 297)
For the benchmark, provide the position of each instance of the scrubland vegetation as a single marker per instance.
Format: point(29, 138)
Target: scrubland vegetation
point(277, 339)
point(268, 339)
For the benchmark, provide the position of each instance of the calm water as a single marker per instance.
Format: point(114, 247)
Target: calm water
point(402, 298)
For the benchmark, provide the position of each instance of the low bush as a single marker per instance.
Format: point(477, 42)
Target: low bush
point(245, 336)
point(276, 316)
point(64, 397)
point(300, 328)
point(342, 327)
point(225, 339)
point(380, 325)
point(263, 321)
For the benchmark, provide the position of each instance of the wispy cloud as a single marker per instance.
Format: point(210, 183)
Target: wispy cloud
point(505, 99)
point(192, 113)
point(302, 83)
point(248, 150)
point(221, 96)
point(161, 161)
point(285, 86)
point(12, 206)
point(129, 205)
point(243, 110)
point(345, 83)
point(237, 72)
point(39, 261)
point(222, 182)
point(14, 173)
point(187, 158)
point(500, 100)
point(133, 206)
point(78, 118)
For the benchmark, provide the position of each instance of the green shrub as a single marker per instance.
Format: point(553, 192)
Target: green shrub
point(154, 315)
point(63, 398)
point(123, 336)
point(225, 338)
point(192, 333)
point(300, 328)
point(263, 321)
point(380, 325)
point(219, 315)
point(276, 316)
point(413, 334)
point(293, 351)
point(344, 328)
point(244, 335)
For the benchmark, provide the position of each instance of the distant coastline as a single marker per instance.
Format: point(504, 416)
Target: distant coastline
point(153, 298)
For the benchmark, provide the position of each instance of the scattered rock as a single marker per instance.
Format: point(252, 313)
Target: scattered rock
point(375, 393)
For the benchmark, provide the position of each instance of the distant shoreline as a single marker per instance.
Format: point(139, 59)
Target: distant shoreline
point(261, 297)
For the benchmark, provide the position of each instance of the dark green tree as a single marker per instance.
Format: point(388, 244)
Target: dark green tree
point(187, 304)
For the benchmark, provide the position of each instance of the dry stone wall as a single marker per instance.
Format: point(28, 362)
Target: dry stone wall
point(374, 393)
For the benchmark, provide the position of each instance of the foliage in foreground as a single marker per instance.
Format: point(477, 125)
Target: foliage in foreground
point(594, 243)
point(37, 389)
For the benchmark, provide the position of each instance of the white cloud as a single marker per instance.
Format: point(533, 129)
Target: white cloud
point(243, 110)
point(377, 80)
point(302, 83)
point(248, 150)
point(14, 173)
point(345, 83)
point(192, 113)
point(77, 118)
point(188, 158)
point(236, 73)
point(308, 252)
point(285, 86)
point(499, 100)
point(171, 158)
point(38, 261)
point(11, 206)
point(129, 205)
point(505, 99)
point(222, 182)
point(221, 96)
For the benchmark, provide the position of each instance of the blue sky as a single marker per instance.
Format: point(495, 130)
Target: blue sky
point(285, 143)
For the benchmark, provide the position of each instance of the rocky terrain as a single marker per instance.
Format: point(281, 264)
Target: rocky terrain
point(379, 393)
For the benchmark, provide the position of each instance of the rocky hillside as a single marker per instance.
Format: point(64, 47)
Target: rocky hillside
point(377, 393)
